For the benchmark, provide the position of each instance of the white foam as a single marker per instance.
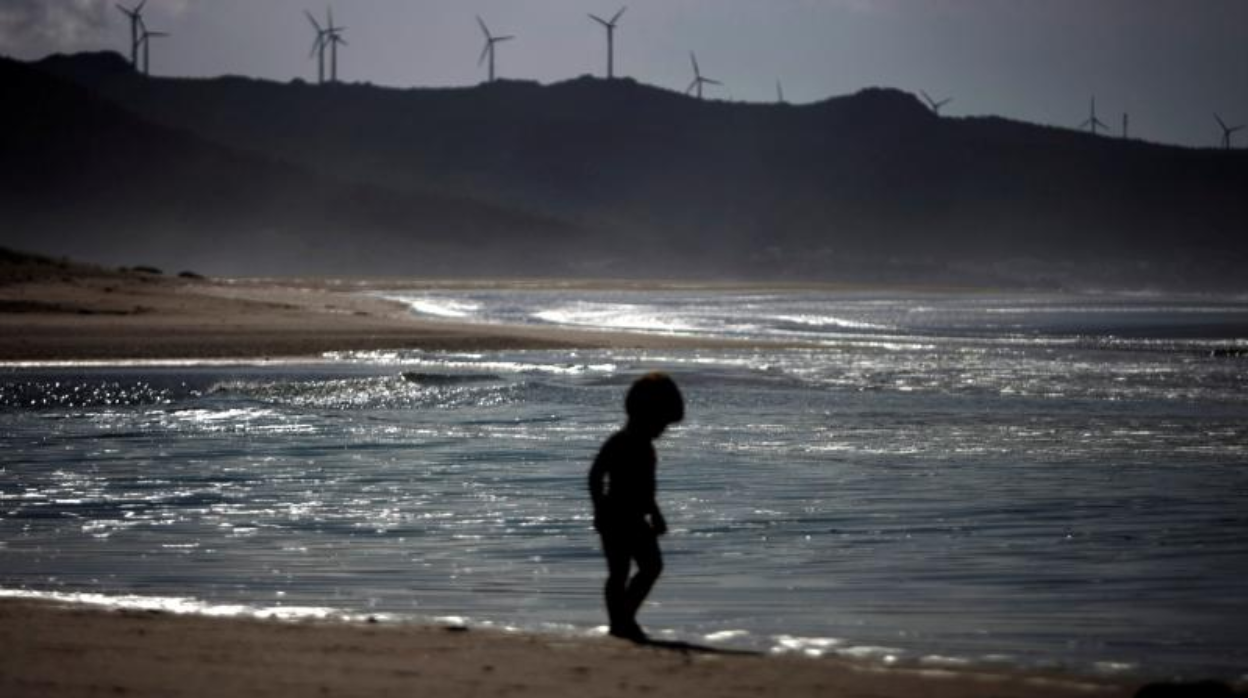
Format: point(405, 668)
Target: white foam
point(724, 635)
point(460, 362)
point(1110, 667)
point(831, 321)
point(809, 646)
point(613, 316)
point(166, 363)
point(438, 306)
point(937, 660)
point(181, 605)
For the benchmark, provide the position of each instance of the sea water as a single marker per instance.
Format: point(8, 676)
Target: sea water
point(1036, 480)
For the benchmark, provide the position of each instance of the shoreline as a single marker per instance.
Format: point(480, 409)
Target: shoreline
point(64, 313)
point(60, 649)
point(99, 316)
point(126, 319)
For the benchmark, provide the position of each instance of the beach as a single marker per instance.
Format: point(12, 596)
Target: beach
point(71, 312)
point(55, 650)
point(252, 441)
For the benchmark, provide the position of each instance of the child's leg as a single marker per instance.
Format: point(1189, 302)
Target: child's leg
point(645, 550)
point(619, 561)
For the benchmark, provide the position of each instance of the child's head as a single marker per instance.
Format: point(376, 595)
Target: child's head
point(655, 402)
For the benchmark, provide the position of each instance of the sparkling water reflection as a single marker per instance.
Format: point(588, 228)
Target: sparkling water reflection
point(959, 490)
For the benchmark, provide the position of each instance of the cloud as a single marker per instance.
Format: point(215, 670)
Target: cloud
point(52, 25)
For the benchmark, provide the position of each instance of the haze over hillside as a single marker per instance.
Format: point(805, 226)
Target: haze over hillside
point(87, 178)
point(594, 177)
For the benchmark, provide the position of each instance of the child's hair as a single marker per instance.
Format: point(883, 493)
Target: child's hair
point(655, 398)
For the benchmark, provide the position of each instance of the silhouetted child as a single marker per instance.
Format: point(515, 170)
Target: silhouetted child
point(626, 515)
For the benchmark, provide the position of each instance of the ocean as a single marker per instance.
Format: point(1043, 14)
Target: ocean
point(941, 479)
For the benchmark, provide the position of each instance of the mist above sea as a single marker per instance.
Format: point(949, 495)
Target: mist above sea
point(1029, 479)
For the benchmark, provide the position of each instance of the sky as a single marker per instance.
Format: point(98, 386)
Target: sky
point(1170, 64)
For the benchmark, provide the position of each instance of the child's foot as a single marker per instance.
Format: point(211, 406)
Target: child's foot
point(632, 632)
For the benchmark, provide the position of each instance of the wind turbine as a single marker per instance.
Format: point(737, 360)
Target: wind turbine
point(1227, 131)
point(333, 36)
point(698, 80)
point(1093, 123)
point(136, 18)
point(488, 50)
point(779, 92)
point(145, 38)
point(610, 27)
point(933, 104)
point(318, 48)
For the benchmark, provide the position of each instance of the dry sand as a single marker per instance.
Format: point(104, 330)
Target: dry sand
point(66, 312)
point(51, 651)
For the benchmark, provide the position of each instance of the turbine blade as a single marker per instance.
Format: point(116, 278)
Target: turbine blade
point(315, 24)
point(1220, 121)
point(329, 13)
point(928, 98)
point(691, 86)
point(485, 51)
point(709, 81)
point(316, 46)
point(139, 9)
point(499, 39)
point(600, 20)
point(484, 29)
point(619, 14)
point(694, 60)
point(943, 102)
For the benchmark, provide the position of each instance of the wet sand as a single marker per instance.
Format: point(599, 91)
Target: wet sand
point(53, 650)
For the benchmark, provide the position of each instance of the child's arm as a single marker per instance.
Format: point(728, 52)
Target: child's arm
point(657, 523)
point(597, 491)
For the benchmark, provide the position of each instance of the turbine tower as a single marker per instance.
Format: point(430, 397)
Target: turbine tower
point(698, 80)
point(318, 47)
point(1093, 123)
point(933, 104)
point(490, 41)
point(1227, 131)
point(135, 15)
point(145, 38)
point(333, 36)
point(610, 27)
point(779, 92)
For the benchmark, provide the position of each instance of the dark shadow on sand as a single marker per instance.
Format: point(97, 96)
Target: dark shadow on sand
point(690, 648)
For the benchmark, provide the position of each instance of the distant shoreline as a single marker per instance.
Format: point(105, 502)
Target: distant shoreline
point(57, 311)
point(61, 313)
point(77, 313)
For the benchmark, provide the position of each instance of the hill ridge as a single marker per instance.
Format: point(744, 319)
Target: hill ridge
point(871, 184)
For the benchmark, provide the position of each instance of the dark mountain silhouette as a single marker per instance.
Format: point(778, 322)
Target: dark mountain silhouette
point(871, 186)
point(85, 177)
